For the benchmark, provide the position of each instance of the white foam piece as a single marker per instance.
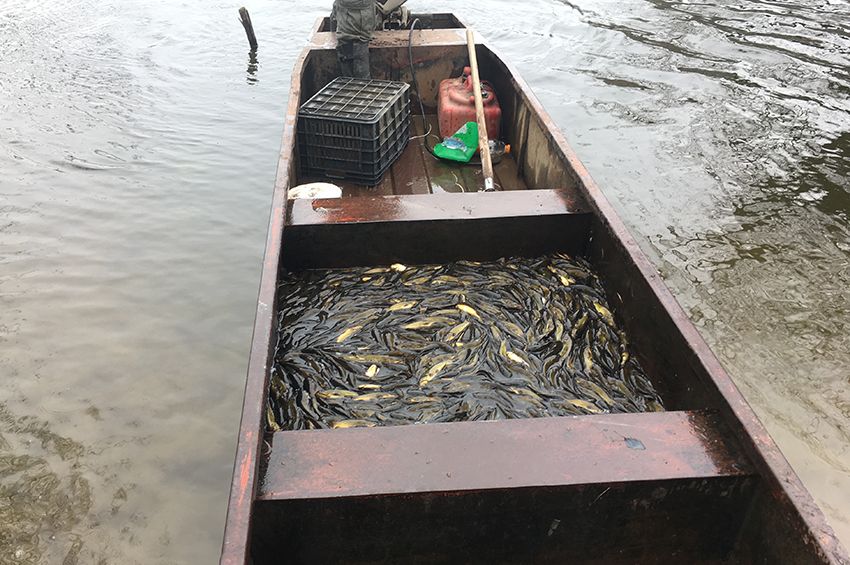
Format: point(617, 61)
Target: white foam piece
point(315, 190)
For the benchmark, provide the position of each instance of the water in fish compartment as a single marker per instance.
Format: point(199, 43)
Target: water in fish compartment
point(515, 338)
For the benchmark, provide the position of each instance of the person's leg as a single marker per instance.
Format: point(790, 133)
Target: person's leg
point(353, 58)
point(345, 54)
point(361, 60)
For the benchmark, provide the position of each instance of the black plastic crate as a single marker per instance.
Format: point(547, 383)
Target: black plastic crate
point(354, 129)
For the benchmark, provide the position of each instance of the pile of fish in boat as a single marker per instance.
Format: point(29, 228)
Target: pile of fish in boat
point(514, 338)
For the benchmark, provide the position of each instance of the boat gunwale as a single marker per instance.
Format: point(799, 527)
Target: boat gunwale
point(244, 483)
point(781, 480)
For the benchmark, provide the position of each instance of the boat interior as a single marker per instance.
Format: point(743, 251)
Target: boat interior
point(702, 483)
point(418, 171)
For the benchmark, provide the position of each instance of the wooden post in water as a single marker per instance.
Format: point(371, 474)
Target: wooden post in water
point(245, 18)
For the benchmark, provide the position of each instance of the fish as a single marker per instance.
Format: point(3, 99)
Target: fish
point(271, 422)
point(343, 424)
point(420, 280)
point(516, 358)
point(457, 331)
point(599, 392)
point(402, 306)
point(524, 392)
point(368, 397)
point(336, 394)
point(385, 359)
point(457, 386)
point(348, 333)
point(514, 329)
point(587, 358)
point(367, 315)
point(444, 279)
point(422, 399)
point(426, 323)
point(605, 313)
point(433, 372)
point(467, 309)
point(423, 353)
point(579, 325)
point(444, 312)
point(585, 405)
point(623, 389)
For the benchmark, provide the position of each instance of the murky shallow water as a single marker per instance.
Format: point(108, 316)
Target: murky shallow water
point(138, 148)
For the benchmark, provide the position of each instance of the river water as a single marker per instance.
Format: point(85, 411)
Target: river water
point(138, 148)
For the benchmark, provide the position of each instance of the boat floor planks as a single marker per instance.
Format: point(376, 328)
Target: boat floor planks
point(417, 171)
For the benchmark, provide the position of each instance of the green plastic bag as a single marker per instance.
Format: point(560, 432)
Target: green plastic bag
point(461, 146)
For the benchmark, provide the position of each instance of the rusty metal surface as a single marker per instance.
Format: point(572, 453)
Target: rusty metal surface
point(678, 521)
point(321, 246)
point(238, 524)
point(431, 20)
point(426, 37)
point(743, 421)
point(798, 522)
point(419, 207)
point(539, 452)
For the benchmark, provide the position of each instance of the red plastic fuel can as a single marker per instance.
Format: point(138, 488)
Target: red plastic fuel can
point(456, 105)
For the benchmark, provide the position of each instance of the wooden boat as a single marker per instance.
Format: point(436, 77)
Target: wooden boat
point(700, 483)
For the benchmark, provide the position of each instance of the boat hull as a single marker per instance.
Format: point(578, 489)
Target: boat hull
point(708, 485)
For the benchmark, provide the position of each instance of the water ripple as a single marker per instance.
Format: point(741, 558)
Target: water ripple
point(138, 147)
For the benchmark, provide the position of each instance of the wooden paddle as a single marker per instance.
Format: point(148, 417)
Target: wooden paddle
point(483, 140)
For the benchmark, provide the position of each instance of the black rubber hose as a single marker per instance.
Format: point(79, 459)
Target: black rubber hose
point(416, 85)
point(419, 96)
